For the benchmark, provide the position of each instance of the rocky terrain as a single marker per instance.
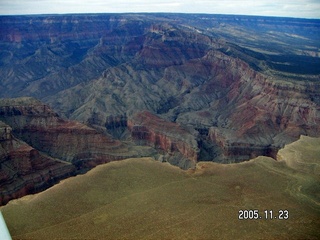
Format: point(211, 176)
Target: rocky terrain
point(141, 198)
point(38, 148)
point(25, 170)
point(178, 144)
point(193, 87)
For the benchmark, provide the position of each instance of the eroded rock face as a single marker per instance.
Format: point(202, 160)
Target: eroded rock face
point(23, 170)
point(70, 141)
point(259, 114)
point(52, 148)
point(243, 112)
point(148, 129)
point(247, 85)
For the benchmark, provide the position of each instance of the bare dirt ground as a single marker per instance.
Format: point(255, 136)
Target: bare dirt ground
point(145, 199)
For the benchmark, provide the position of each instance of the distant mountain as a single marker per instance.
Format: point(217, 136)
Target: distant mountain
point(197, 87)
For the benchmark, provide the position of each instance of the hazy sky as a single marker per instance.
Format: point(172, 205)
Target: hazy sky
point(285, 8)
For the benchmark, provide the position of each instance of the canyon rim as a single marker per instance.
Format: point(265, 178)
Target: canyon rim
point(80, 90)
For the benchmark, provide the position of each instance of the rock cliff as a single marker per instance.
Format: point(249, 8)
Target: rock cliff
point(261, 114)
point(24, 170)
point(177, 143)
point(225, 88)
point(38, 148)
point(71, 141)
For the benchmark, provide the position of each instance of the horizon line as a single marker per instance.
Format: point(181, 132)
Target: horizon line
point(123, 13)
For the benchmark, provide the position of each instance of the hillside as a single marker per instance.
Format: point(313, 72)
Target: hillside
point(38, 148)
point(145, 199)
point(236, 87)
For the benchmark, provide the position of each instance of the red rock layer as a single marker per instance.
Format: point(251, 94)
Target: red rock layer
point(71, 141)
point(23, 170)
point(262, 114)
point(161, 134)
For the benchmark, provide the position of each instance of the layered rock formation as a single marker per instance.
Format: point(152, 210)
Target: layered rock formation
point(71, 141)
point(262, 114)
point(38, 148)
point(179, 143)
point(241, 86)
point(23, 170)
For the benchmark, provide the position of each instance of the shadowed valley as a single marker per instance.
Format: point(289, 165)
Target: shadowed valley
point(187, 99)
point(238, 86)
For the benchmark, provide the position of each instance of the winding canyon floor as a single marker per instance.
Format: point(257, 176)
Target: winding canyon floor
point(146, 199)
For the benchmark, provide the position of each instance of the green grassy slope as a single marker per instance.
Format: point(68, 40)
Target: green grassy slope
point(144, 199)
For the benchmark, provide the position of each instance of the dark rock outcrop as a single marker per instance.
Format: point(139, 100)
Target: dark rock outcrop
point(71, 141)
point(23, 170)
point(179, 143)
point(248, 85)
point(38, 148)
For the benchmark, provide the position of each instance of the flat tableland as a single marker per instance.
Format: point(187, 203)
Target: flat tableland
point(145, 199)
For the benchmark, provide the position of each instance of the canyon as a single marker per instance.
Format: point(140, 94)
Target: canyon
point(80, 90)
point(24, 170)
point(143, 198)
point(38, 148)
